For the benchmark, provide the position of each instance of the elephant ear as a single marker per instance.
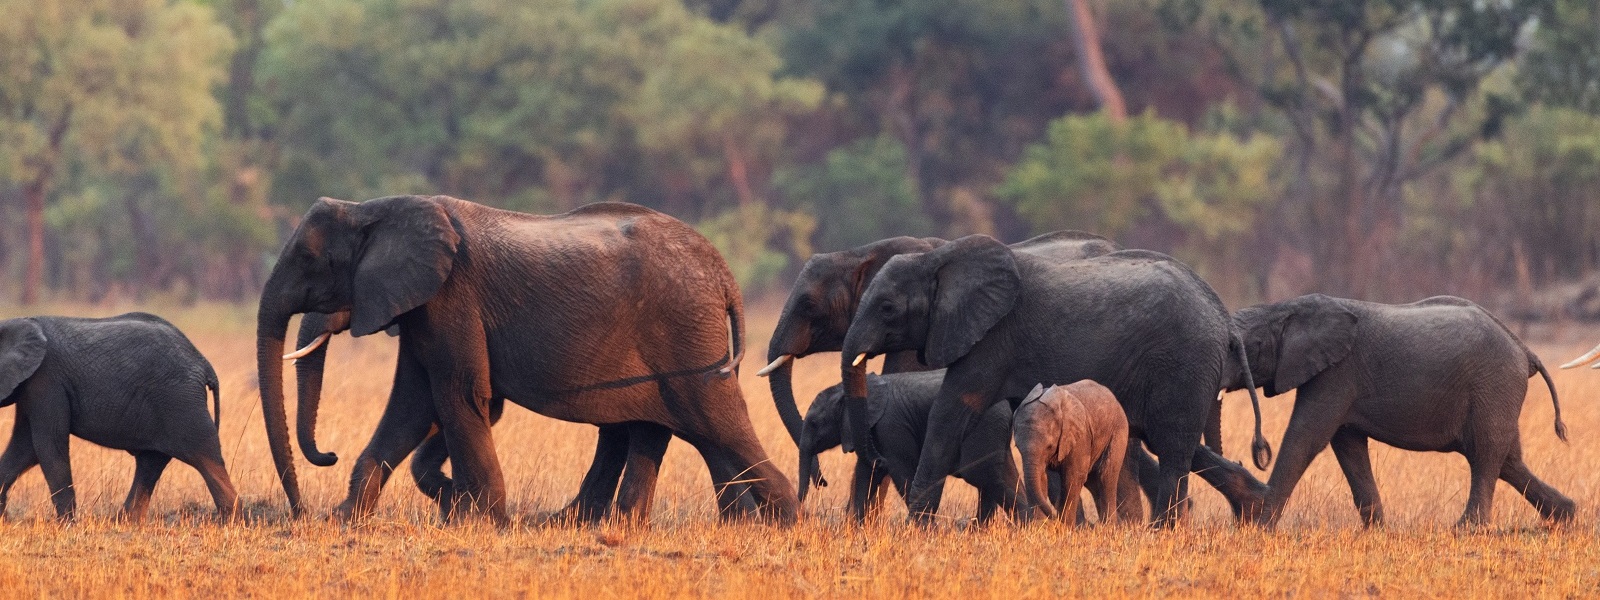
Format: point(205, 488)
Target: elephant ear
point(1317, 333)
point(975, 285)
point(22, 349)
point(878, 393)
point(1034, 394)
point(409, 249)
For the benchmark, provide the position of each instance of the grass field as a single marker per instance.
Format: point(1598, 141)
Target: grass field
point(1319, 550)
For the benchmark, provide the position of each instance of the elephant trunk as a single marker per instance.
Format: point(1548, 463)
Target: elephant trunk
point(782, 381)
point(272, 325)
point(308, 377)
point(782, 352)
point(810, 471)
point(854, 374)
point(1035, 481)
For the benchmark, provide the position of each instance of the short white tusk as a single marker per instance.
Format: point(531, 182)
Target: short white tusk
point(860, 358)
point(1583, 360)
point(311, 347)
point(781, 361)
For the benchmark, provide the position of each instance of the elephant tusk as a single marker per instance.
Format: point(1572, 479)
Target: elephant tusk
point(782, 360)
point(311, 347)
point(1583, 360)
point(860, 358)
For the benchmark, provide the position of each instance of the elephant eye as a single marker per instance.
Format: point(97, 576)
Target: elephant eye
point(887, 307)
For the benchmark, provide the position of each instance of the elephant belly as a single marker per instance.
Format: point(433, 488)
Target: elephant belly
point(1422, 427)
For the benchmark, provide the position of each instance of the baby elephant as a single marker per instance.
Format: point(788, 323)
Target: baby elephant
point(898, 405)
point(1078, 431)
point(131, 382)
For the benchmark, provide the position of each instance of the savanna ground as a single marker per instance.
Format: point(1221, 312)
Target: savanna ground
point(1319, 550)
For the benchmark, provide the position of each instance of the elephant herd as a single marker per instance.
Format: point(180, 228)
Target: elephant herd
point(1104, 365)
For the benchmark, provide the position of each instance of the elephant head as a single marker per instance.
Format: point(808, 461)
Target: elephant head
point(939, 303)
point(1292, 341)
point(827, 425)
point(818, 311)
point(22, 350)
point(374, 260)
point(1042, 440)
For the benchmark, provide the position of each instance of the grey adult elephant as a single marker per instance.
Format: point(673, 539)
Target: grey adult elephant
point(631, 452)
point(1141, 323)
point(897, 408)
point(1439, 375)
point(131, 382)
point(611, 313)
point(817, 314)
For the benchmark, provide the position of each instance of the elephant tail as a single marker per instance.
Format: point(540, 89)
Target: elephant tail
point(735, 308)
point(1260, 450)
point(1538, 365)
point(1534, 366)
point(216, 394)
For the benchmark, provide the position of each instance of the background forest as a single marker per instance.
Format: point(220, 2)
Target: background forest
point(1382, 149)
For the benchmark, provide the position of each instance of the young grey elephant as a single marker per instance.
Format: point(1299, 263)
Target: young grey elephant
point(1440, 375)
point(131, 382)
point(898, 407)
point(1079, 431)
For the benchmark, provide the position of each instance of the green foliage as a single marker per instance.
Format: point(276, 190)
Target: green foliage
point(859, 194)
point(1563, 67)
point(495, 101)
point(759, 242)
point(1543, 177)
point(1094, 174)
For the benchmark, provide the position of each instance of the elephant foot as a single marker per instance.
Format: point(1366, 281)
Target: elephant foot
point(1559, 512)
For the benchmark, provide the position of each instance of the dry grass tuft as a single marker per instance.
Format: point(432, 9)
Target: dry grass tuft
point(1319, 550)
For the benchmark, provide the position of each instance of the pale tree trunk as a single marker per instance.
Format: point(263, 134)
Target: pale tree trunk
point(1092, 60)
point(738, 171)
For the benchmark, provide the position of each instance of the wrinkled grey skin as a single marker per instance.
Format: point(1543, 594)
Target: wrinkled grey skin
point(1141, 323)
point(1439, 375)
point(1077, 431)
point(817, 314)
point(131, 382)
point(635, 458)
point(898, 408)
point(824, 298)
point(608, 314)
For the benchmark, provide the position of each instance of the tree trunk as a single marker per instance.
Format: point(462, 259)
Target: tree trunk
point(902, 114)
point(34, 199)
point(738, 171)
point(1092, 60)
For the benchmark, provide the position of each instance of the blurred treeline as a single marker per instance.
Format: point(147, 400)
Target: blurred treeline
point(1386, 149)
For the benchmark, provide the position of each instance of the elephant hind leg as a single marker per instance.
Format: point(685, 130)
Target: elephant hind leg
point(740, 469)
point(599, 485)
point(147, 470)
point(647, 445)
point(1551, 504)
point(208, 461)
point(1350, 447)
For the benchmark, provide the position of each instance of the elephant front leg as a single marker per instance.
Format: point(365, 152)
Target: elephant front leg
point(478, 483)
point(959, 403)
point(407, 420)
point(17, 459)
point(1350, 447)
point(1311, 428)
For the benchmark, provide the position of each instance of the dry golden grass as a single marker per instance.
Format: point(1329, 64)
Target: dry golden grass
point(1319, 550)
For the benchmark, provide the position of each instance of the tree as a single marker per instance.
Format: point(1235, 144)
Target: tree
point(1380, 93)
point(119, 89)
point(1563, 66)
point(1092, 60)
point(858, 193)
